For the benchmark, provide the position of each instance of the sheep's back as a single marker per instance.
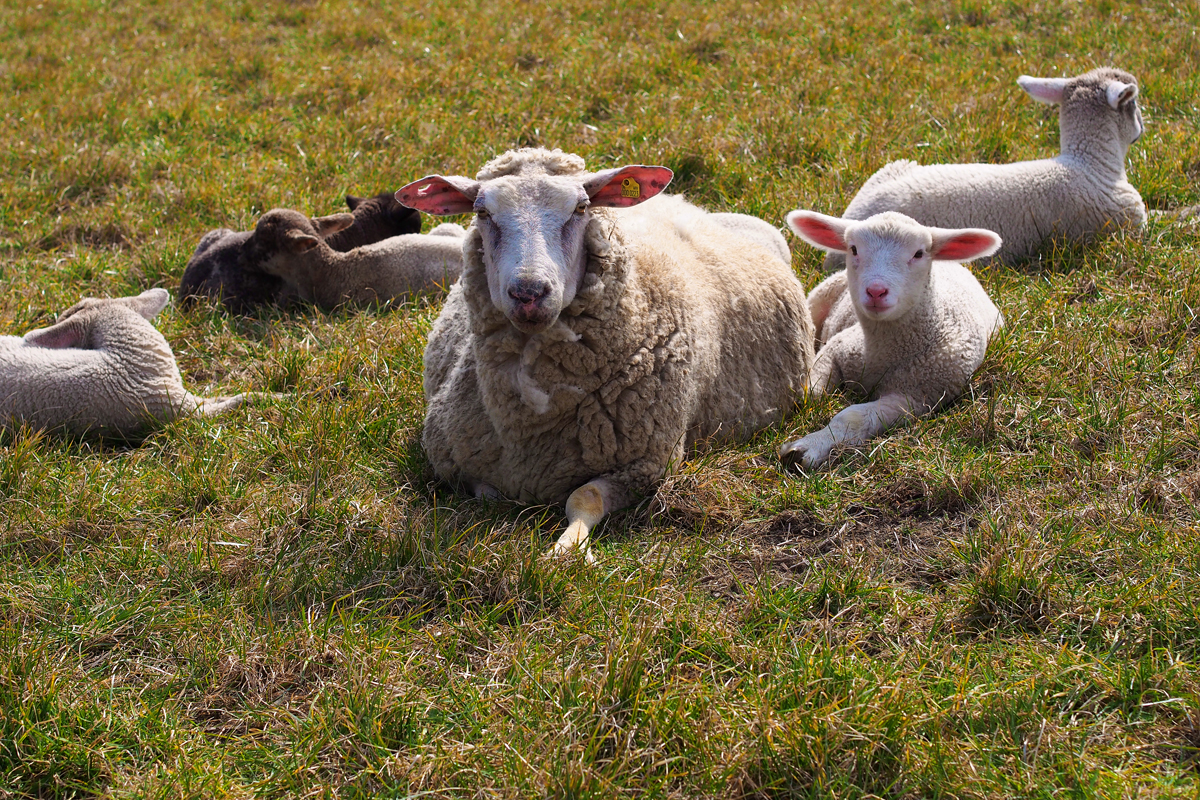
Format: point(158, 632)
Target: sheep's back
point(1027, 203)
point(77, 390)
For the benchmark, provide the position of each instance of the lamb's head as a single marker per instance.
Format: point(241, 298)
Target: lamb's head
point(889, 256)
point(93, 320)
point(1102, 102)
point(282, 233)
point(531, 209)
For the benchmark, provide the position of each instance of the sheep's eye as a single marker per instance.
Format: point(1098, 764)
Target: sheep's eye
point(853, 250)
point(582, 207)
point(482, 213)
point(919, 254)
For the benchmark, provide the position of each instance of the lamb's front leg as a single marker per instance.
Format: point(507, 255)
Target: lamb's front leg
point(852, 425)
point(586, 506)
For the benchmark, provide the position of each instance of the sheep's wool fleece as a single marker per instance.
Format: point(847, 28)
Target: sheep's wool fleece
point(126, 380)
point(681, 335)
point(929, 355)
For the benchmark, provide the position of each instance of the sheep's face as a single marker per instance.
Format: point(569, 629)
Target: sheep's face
point(887, 274)
point(889, 257)
point(532, 222)
point(532, 232)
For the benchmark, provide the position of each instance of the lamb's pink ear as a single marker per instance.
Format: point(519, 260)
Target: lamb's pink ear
point(299, 241)
point(819, 230)
point(622, 187)
point(964, 244)
point(1117, 92)
point(327, 226)
point(440, 195)
point(61, 336)
point(1044, 90)
point(150, 302)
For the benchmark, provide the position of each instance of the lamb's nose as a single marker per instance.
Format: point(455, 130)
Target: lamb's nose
point(877, 291)
point(526, 293)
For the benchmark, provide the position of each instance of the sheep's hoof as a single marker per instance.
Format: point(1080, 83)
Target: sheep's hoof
point(803, 454)
point(560, 553)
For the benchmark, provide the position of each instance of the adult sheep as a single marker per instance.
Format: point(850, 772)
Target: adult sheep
point(598, 331)
point(1071, 197)
point(101, 368)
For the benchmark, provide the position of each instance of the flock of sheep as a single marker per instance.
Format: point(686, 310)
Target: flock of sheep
point(595, 328)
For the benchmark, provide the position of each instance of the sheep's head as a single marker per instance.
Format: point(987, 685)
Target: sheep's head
point(1089, 100)
point(531, 221)
point(282, 232)
point(889, 256)
point(79, 326)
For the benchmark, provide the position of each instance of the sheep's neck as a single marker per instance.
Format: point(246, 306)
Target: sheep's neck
point(1099, 151)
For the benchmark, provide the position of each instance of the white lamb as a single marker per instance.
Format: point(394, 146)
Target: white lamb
point(1080, 192)
point(589, 342)
point(289, 246)
point(101, 368)
point(902, 323)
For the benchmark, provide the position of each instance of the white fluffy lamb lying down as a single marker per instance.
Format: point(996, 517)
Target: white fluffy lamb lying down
point(1072, 196)
point(102, 368)
point(598, 330)
point(903, 323)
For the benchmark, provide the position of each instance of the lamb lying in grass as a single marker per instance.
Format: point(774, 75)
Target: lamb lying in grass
point(291, 246)
point(598, 331)
point(102, 368)
point(227, 265)
point(1081, 192)
point(902, 323)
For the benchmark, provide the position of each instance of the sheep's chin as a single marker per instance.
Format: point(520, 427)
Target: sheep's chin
point(874, 315)
point(533, 326)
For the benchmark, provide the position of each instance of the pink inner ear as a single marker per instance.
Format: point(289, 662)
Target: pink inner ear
point(965, 247)
point(56, 337)
point(817, 231)
point(631, 185)
point(435, 195)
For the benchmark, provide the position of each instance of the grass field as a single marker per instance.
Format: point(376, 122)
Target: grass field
point(1001, 601)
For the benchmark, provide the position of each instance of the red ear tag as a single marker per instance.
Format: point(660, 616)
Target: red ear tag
point(630, 188)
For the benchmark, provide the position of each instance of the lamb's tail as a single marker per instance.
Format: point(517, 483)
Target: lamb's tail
point(212, 406)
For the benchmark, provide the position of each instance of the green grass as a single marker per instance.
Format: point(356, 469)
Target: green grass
point(997, 602)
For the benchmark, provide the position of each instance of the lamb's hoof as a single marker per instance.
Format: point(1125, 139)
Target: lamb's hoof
point(559, 553)
point(803, 454)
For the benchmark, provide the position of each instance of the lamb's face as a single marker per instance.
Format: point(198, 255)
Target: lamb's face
point(887, 272)
point(532, 231)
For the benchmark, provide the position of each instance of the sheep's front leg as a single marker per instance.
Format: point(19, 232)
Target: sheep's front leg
point(852, 425)
point(586, 506)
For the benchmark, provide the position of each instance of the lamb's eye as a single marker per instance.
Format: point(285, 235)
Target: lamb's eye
point(582, 207)
point(853, 250)
point(919, 254)
point(481, 213)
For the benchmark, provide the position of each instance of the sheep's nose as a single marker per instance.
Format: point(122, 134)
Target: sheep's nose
point(877, 291)
point(526, 293)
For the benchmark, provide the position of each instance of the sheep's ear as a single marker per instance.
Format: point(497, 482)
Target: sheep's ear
point(622, 187)
point(440, 195)
point(964, 244)
point(60, 336)
point(1119, 93)
point(819, 230)
point(299, 241)
point(353, 202)
point(150, 302)
point(1044, 90)
point(327, 226)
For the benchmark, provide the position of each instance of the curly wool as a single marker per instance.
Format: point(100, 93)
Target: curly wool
point(659, 349)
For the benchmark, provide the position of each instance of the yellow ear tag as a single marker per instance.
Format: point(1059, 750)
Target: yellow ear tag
point(630, 188)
